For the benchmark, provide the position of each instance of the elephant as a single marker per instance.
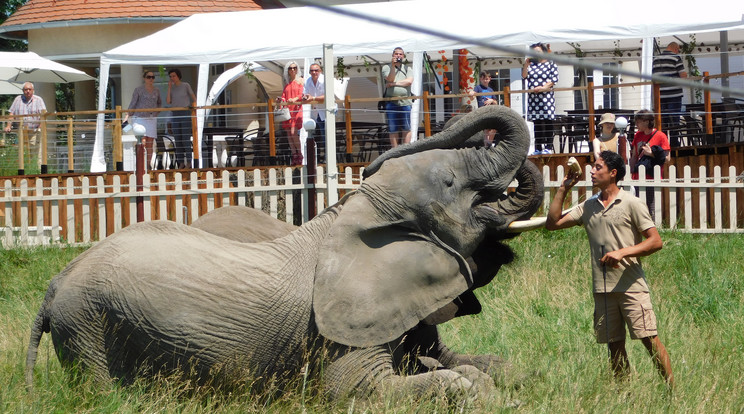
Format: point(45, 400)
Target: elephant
point(243, 224)
point(353, 296)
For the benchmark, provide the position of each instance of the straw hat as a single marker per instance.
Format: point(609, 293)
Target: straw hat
point(607, 118)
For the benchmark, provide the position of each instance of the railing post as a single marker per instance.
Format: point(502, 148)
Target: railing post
point(272, 130)
point(118, 145)
point(347, 117)
point(507, 96)
point(590, 104)
point(427, 115)
point(43, 132)
point(21, 138)
point(70, 149)
point(656, 95)
point(195, 136)
point(708, 108)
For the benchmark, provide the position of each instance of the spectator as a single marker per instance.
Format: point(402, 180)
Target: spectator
point(293, 94)
point(146, 96)
point(670, 64)
point(482, 87)
point(650, 147)
point(541, 76)
point(620, 231)
point(27, 104)
point(180, 95)
point(315, 92)
point(398, 80)
point(607, 139)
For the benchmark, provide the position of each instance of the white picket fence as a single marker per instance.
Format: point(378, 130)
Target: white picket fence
point(84, 210)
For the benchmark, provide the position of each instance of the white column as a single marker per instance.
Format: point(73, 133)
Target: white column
point(647, 63)
point(416, 90)
point(131, 78)
point(98, 161)
point(330, 124)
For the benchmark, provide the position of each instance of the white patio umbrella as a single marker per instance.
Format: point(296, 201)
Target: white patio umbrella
point(30, 67)
point(11, 88)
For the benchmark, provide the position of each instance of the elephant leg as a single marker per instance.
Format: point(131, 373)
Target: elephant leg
point(428, 343)
point(369, 371)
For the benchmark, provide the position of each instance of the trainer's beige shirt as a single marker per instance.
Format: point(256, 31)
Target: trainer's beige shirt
point(619, 225)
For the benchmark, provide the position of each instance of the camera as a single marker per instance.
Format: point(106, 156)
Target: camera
point(399, 60)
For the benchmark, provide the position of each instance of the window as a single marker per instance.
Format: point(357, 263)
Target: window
point(610, 96)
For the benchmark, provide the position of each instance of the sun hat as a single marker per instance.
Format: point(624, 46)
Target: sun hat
point(607, 118)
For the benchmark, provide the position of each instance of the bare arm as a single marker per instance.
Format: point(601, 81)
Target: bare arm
point(556, 219)
point(651, 244)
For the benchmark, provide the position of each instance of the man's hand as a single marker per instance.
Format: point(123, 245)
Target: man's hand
point(8, 126)
point(612, 259)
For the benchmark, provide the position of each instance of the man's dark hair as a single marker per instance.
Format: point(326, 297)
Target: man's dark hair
point(614, 161)
point(177, 72)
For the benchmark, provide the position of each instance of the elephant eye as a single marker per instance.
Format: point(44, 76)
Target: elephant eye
point(449, 179)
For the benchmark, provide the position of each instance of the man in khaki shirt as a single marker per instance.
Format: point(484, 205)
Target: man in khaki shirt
point(620, 230)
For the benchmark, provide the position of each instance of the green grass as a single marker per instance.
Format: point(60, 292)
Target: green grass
point(537, 313)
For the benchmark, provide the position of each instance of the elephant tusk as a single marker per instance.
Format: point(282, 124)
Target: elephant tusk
point(521, 226)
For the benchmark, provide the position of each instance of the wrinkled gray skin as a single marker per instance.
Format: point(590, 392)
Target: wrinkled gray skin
point(366, 281)
point(243, 224)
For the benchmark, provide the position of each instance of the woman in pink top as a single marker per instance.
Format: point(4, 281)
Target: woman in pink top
point(293, 93)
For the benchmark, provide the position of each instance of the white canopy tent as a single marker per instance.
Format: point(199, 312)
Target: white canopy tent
point(270, 34)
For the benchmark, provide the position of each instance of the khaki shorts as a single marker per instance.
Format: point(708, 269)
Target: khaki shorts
point(631, 308)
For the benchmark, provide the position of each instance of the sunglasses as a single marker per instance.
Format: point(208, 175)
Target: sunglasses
point(150, 77)
point(314, 70)
point(293, 68)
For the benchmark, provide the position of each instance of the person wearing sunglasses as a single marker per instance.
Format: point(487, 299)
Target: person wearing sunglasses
point(146, 97)
point(315, 95)
point(292, 93)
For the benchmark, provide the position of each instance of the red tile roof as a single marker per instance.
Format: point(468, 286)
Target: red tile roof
point(45, 11)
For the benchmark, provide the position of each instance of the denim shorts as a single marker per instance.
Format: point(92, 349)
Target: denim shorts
point(398, 117)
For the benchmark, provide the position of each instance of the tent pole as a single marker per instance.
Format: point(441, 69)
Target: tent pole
point(329, 105)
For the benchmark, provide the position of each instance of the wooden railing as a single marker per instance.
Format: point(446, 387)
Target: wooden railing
point(70, 120)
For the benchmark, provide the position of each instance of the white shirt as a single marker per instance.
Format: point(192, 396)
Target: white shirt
point(318, 89)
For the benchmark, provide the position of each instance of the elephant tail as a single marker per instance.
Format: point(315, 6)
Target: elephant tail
point(41, 324)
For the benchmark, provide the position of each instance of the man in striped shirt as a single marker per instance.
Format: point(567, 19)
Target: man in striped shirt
point(669, 63)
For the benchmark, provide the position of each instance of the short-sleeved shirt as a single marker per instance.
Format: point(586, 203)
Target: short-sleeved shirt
point(141, 98)
point(482, 99)
point(21, 106)
point(541, 105)
point(654, 138)
point(401, 73)
point(316, 89)
point(181, 95)
point(608, 229)
point(669, 64)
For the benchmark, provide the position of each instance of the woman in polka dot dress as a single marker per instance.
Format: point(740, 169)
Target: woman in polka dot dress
point(541, 77)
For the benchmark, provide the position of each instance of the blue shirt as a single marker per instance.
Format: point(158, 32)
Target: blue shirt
point(482, 99)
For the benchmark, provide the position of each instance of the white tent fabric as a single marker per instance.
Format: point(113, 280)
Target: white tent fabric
point(30, 67)
point(273, 34)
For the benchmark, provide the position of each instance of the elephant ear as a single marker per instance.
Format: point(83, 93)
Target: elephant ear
point(374, 282)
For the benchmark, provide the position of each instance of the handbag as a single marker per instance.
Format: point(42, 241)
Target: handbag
point(281, 114)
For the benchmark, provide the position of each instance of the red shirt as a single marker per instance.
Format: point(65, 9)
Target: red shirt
point(654, 138)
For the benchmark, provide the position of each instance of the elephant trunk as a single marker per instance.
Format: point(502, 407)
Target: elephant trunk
point(501, 161)
point(522, 203)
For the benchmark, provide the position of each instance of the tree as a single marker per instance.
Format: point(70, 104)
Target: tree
point(8, 7)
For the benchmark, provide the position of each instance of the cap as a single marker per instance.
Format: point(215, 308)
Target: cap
point(607, 118)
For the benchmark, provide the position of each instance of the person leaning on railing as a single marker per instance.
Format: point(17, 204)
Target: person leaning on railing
point(27, 104)
point(650, 147)
point(146, 96)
